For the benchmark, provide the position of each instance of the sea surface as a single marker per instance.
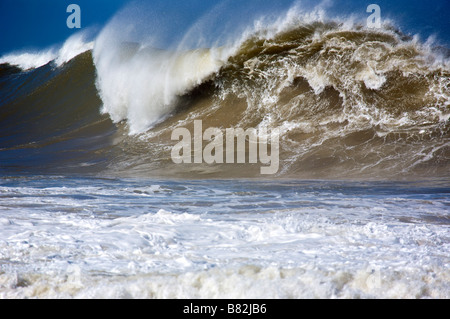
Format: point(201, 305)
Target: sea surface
point(92, 204)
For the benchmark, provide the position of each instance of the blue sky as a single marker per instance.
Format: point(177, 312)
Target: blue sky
point(38, 24)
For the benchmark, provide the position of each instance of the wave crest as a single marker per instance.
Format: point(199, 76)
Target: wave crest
point(72, 47)
point(141, 84)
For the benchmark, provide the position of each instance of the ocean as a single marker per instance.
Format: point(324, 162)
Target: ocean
point(94, 203)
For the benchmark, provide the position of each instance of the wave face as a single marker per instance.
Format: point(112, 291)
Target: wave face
point(350, 102)
point(50, 119)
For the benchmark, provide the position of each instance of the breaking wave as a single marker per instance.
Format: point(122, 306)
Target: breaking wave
point(349, 101)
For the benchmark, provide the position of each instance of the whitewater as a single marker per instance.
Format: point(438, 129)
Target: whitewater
point(93, 206)
point(223, 239)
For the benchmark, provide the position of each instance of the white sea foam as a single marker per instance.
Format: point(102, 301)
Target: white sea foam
point(75, 242)
point(28, 60)
point(72, 47)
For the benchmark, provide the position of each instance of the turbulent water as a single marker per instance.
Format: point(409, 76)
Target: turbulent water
point(351, 103)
